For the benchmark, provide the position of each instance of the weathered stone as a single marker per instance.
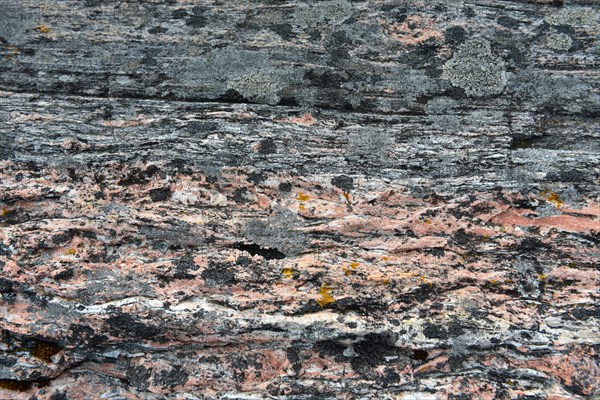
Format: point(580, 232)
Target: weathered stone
point(299, 199)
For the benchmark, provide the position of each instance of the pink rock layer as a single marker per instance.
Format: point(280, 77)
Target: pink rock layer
point(144, 282)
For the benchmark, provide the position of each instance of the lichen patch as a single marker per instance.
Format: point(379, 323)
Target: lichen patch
point(325, 296)
point(475, 69)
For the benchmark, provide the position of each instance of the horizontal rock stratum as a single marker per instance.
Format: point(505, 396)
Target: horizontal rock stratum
point(299, 199)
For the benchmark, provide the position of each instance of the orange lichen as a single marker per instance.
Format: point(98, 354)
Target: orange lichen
point(287, 272)
point(71, 252)
point(302, 197)
point(552, 197)
point(385, 258)
point(43, 29)
point(348, 270)
point(44, 350)
point(325, 296)
point(386, 281)
point(428, 221)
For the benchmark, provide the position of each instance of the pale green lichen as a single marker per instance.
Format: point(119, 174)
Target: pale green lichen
point(558, 41)
point(475, 69)
point(237, 72)
point(574, 16)
point(325, 12)
point(257, 87)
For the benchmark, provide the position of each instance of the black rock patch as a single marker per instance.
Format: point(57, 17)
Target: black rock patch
point(343, 182)
point(218, 275)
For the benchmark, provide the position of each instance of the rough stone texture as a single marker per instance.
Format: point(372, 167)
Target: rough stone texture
point(474, 69)
point(299, 200)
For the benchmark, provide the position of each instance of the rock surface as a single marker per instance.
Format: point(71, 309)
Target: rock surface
point(299, 200)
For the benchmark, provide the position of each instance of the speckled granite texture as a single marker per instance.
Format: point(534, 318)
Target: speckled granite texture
point(374, 199)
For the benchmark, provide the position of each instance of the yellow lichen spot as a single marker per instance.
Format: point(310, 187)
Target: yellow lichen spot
point(302, 197)
point(424, 280)
point(542, 277)
point(301, 207)
point(71, 252)
point(348, 270)
point(385, 258)
point(428, 221)
point(508, 281)
point(325, 296)
point(4, 212)
point(287, 272)
point(494, 282)
point(43, 29)
point(386, 281)
point(552, 197)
